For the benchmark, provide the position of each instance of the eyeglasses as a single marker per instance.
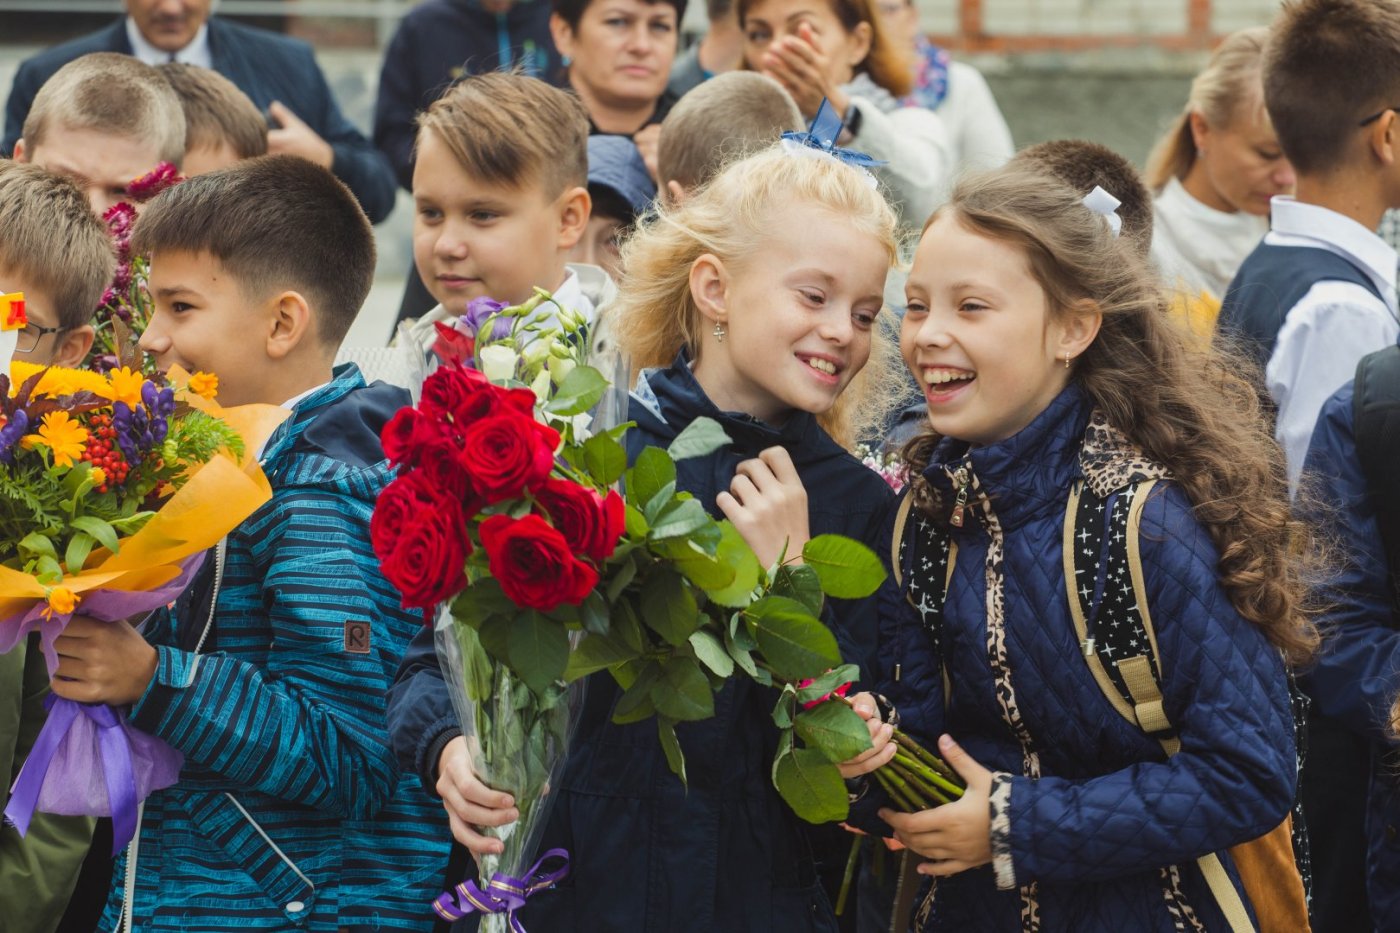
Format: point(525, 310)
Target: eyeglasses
point(28, 338)
point(1376, 116)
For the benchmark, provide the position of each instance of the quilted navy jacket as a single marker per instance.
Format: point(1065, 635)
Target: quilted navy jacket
point(1093, 828)
point(1357, 674)
point(289, 813)
point(648, 854)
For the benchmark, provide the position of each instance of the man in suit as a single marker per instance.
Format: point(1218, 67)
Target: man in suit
point(278, 73)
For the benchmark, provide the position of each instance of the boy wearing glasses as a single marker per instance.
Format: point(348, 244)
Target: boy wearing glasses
point(1316, 296)
point(56, 253)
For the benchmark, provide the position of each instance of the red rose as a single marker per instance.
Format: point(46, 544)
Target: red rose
point(591, 524)
point(419, 534)
point(442, 471)
point(505, 453)
point(451, 345)
point(411, 436)
point(457, 395)
point(534, 564)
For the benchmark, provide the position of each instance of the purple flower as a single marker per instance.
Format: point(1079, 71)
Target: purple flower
point(11, 433)
point(479, 310)
point(153, 182)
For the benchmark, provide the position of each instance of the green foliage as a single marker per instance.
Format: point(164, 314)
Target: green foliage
point(847, 568)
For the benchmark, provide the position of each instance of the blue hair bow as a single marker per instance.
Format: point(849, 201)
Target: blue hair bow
point(821, 137)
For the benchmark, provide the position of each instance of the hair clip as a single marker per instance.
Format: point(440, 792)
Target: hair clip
point(1106, 206)
point(820, 140)
point(12, 316)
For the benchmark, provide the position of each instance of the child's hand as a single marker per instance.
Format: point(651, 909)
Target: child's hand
point(102, 662)
point(470, 804)
point(802, 68)
point(648, 143)
point(957, 835)
point(768, 505)
point(881, 748)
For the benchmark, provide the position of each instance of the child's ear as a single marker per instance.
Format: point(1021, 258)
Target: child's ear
point(575, 207)
point(289, 324)
point(677, 193)
point(1385, 138)
point(709, 286)
point(21, 151)
point(1080, 326)
point(73, 346)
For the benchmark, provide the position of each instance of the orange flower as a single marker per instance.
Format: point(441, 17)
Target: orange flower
point(126, 386)
point(61, 601)
point(205, 385)
point(62, 434)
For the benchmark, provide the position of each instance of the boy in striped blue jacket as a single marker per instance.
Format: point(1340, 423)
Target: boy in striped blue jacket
point(269, 672)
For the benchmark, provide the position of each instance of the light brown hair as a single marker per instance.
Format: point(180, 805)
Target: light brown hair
point(110, 93)
point(1230, 84)
point(216, 111)
point(1084, 166)
point(53, 242)
point(727, 117)
point(1329, 65)
point(273, 223)
point(507, 128)
point(655, 315)
point(887, 64)
point(1191, 409)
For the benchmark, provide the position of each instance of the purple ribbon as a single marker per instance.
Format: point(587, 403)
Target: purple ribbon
point(503, 893)
point(116, 766)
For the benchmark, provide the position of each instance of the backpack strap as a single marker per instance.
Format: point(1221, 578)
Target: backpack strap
point(1376, 412)
point(922, 558)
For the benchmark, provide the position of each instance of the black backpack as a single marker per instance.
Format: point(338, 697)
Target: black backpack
point(1376, 410)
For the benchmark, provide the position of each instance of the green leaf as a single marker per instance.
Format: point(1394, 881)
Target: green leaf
point(493, 633)
point(823, 685)
point(635, 522)
point(604, 459)
point(668, 606)
point(811, 785)
point(593, 614)
point(104, 533)
point(711, 653)
point(48, 571)
point(666, 729)
point(847, 568)
point(657, 503)
point(786, 706)
point(741, 656)
point(626, 627)
point(679, 519)
point(683, 692)
point(35, 544)
point(635, 704)
point(76, 554)
point(702, 569)
point(481, 600)
point(793, 642)
point(734, 552)
point(702, 436)
point(801, 583)
point(580, 391)
point(652, 472)
point(595, 653)
point(834, 729)
point(539, 650)
point(624, 573)
point(478, 669)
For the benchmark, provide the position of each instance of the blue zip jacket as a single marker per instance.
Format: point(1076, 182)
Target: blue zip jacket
point(1105, 835)
point(289, 813)
point(1357, 674)
point(648, 854)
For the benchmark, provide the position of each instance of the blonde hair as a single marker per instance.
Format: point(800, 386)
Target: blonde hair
point(53, 242)
point(655, 315)
point(1232, 80)
point(507, 128)
point(110, 93)
point(216, 111)
point(725, 118)
point(1192, 409)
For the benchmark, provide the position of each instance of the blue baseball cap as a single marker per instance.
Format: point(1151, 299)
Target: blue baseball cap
point(615, 163)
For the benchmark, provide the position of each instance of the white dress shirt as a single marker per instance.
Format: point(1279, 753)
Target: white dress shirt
point(196, 53)
point(1332, 327)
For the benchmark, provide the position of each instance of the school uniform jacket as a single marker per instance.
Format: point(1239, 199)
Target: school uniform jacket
point(1093, 829)
point(648, 854)
point(265, 66)
point(289, 813)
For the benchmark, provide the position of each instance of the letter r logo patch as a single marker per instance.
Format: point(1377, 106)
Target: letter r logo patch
point(356, 636)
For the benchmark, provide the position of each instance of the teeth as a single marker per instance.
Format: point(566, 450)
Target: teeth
point(939, 376)
point(825, 366)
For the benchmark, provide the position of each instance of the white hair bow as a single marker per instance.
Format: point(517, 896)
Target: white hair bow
point(1106, 206)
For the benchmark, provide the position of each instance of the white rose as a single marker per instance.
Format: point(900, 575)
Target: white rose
point(498, 362)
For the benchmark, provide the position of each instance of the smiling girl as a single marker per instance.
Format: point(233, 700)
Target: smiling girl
point(1047, 361)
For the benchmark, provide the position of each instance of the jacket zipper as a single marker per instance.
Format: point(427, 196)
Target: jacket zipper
point(961, 480)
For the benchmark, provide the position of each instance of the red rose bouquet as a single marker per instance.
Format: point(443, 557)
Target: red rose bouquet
point(505, 514)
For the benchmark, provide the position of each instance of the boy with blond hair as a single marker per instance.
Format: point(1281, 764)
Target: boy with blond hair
point(222, 125)
point(500, 198)
point(727, 117)
point(103, 120)
point(269, 671)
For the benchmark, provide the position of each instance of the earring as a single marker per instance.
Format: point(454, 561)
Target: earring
point(1067, 361)
point(719, 332)
point(565, 60)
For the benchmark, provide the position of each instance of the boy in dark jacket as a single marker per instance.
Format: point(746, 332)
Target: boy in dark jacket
point(269, 672)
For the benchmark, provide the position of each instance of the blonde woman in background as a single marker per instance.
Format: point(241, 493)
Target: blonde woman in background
point(1213, 173)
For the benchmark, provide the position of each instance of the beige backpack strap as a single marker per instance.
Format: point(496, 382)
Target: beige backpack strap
point(901, 518)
